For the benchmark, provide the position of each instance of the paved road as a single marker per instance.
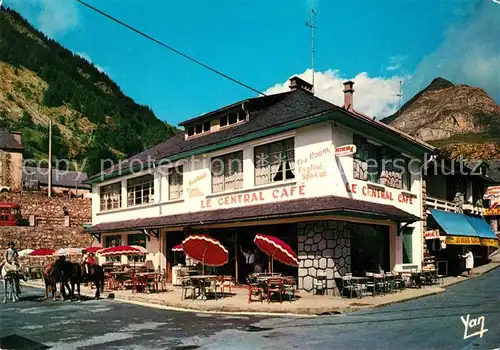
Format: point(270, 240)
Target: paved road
point(428, 323)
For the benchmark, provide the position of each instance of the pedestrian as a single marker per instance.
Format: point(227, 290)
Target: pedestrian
point(469, 261)
point(10, 255)
point(249, 262)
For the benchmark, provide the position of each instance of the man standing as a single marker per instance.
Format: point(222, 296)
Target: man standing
point(249, 262)
point(469, 261)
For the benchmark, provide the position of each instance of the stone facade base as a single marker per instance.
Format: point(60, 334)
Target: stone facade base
point(323, 249)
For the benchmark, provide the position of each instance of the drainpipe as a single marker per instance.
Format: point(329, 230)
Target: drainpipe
point(157, 171)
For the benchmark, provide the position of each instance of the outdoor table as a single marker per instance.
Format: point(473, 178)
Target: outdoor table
point(115, 276)
point(147, 276)
point(200, 283)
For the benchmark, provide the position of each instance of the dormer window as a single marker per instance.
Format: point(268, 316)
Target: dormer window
point(199, 128)
point(232, 118)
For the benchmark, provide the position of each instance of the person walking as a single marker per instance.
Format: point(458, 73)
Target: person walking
point(469, 261)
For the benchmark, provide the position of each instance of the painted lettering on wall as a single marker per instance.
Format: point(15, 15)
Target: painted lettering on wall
point(197, 179)
point(290, 192)
point(380, 193)
point(311, 167)
point(194, 192)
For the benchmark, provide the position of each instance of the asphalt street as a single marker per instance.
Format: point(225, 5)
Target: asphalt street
point(433, 322)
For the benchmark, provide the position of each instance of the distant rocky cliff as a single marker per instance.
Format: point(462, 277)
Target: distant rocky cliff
point(460, 119)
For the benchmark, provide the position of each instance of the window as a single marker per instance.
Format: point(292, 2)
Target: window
point(112, 241)
point(140, 190)
point(175, 183)
point(111, 196)
point(407, 175)
point(274, 162)
point(407, 245)
point(227, 172)
point(233, 118)
point(137, 239)
point(199, 128)
point(366, 160)
point(393, 168)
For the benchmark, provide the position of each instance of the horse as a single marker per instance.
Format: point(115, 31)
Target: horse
point(12, 274)
point(96, 276)
point(70, 275)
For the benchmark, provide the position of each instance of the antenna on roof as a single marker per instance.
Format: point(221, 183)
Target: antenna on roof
point(311, 25)
point(399, 95)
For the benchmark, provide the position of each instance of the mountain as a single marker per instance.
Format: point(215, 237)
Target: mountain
point(92, 118)
point(462, 120)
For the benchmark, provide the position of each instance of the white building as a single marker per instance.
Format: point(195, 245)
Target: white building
point(338, 210)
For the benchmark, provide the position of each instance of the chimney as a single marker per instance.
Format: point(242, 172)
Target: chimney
point(17, 136)
point(297, 83)
point(348, 95)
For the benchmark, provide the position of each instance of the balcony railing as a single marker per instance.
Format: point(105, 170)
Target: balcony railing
point(440, 204)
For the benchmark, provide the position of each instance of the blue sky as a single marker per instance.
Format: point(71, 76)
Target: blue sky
point(263, 43)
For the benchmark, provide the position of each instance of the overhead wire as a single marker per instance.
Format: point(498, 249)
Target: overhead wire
point(206, 66)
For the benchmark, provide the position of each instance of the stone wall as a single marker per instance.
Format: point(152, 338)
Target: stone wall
point(33, 203)
point(50, 227)
point(323, 248)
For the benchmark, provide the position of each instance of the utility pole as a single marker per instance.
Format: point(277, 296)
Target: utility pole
point(50, 157)
point(310, 24)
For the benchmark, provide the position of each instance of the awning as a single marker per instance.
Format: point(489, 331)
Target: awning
point(327, 205)
point(484, 231)
point(463, 229)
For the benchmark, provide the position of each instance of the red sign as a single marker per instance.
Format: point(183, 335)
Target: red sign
point(380, 193)
point(493, 192)
point(432, 234)
point(345, 150)
point(290, 192)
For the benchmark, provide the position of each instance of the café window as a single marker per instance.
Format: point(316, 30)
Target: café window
point(274, 162)
point(366, 160)
point(111, 196)
point(137, 239)
point(393, 168)
point(406, 175)
point(140, 190)
point(227, 172)
point(112, 241)
point(175, 183)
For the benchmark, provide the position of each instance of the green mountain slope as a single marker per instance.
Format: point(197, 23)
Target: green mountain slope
point(93, 120)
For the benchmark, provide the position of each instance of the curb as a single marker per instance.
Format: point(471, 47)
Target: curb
point(305, 312)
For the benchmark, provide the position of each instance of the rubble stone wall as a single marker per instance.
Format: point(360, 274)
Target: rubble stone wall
point(33, 203)
point(323, 249)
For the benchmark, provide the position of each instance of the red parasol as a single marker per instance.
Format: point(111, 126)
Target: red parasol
point(276, 249)
point(92, 249)
point(178, 248)
point(205, 249)
point(42, 252)
point(122, 250)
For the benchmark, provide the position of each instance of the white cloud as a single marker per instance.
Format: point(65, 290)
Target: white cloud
point(374, 96)
point(86, 57)
point(54, 17)
point(470, 53)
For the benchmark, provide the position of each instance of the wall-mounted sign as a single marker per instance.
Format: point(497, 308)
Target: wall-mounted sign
point(383, 193)
point(492, 192)
point(290, 192)
point(495, 211)
point(432, 234)
point(345, 150)
point(463, 240)
point(489, 242)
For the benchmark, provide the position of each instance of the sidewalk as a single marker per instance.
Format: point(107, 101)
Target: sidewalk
point(306, 305)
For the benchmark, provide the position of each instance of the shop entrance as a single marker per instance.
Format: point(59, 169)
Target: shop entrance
point(370, 248)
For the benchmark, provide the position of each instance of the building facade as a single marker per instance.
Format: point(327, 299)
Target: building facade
point(11, 160)
point(289, 165)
